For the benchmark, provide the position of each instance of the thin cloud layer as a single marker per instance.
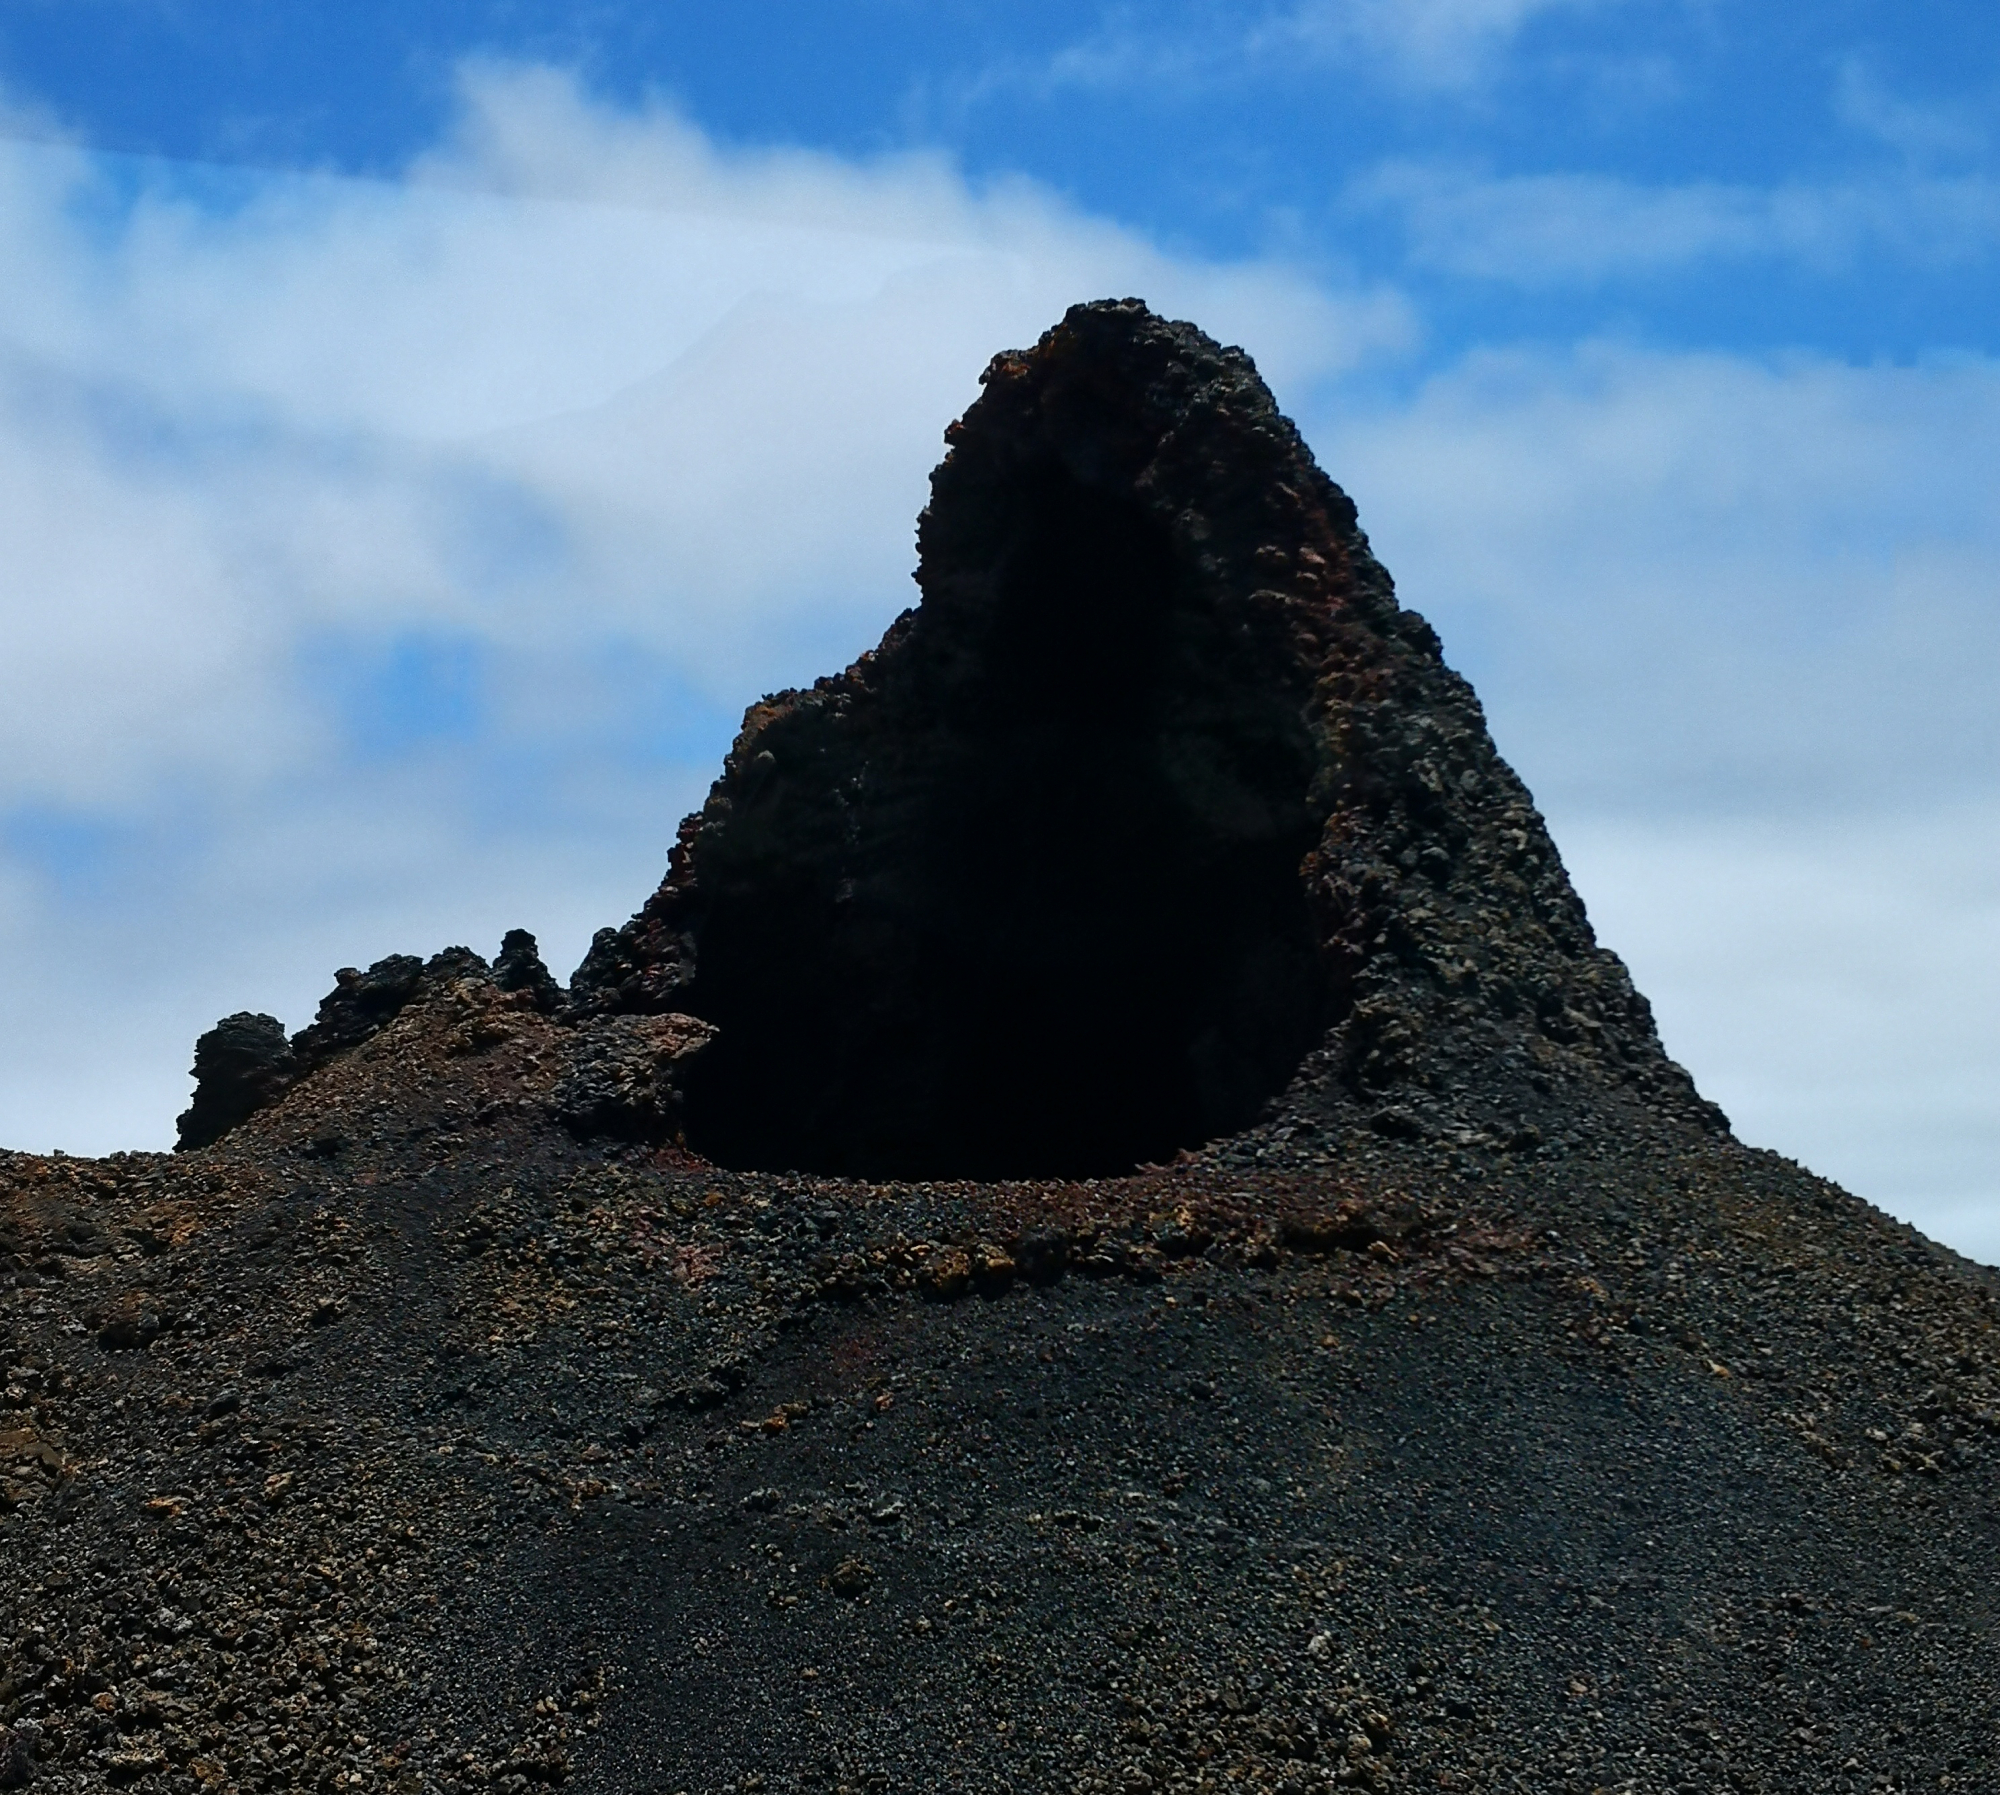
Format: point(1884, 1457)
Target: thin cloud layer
point(1548, 230)
point(1701, 583)
point(1439, 47)
point(1428, 43)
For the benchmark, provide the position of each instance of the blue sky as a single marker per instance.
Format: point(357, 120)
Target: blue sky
point(1776, 152)
point(423, 429)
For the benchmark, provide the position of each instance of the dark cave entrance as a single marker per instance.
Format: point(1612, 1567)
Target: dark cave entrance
point(1053, 925)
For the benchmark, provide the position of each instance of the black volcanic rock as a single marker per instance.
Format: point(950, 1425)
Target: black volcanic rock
point(520, 968)
point(626, 1076)
point(243, 1063)
point(357, 1006)
point(1156, 805)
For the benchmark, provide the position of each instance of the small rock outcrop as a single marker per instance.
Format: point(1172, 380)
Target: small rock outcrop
point(520, 968)
point(1156, 809)
point(242, 1064)
point(245, 1064)
point(625, 1077)
point(358, 1006)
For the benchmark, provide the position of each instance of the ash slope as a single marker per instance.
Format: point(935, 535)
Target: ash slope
point(461, 1455)
point(1481, 1416)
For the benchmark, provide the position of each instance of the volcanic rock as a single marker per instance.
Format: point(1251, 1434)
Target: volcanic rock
point(1450, 1404)
point(357, 1006)
point(519, 968)
point(1156, 809)
point(243, 1063)
point(626, 1073)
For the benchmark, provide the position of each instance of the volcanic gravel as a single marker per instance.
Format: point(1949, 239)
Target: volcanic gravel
point(400, 1441)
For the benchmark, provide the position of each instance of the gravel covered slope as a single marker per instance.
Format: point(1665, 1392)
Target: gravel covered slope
point(402, 1438)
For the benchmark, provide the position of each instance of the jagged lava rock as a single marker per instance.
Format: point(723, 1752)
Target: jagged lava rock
point(242, 1064)
point(519, 968)
point(1156, 805)
point(626, 1074)
point(245, 1064)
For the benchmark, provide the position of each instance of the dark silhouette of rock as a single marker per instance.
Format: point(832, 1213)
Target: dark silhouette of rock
point(243, 1063)
point(1156, 805)
point(359, 1004)
point(520, 968)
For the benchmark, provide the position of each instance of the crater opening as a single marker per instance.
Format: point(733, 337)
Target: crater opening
point(1035, 908)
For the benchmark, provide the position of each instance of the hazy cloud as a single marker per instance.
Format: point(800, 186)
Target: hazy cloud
point(1703, 584)
point(1431, 45)
point(1554, 229)
point(1925, 131)
point(1427, 43)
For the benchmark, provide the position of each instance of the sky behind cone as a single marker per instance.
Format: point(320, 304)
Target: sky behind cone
point(423, 429)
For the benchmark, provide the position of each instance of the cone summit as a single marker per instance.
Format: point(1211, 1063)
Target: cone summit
point(1155, 812)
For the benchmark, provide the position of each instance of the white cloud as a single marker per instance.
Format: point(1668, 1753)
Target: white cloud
point(687, 400)
point(1433, 46)
point(1428, 43)
point(1924, 132)
point(1554, 229)
point(1700, 582)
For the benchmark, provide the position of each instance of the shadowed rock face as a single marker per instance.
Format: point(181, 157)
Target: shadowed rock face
point(1155, 803)
point(242, 1064)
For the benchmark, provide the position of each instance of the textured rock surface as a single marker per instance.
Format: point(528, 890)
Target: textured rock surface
point(241, 1065)
point(245, 1064)
point(17, 1762)
point(520, 968)
point(469, 1451)
point(1157, 802)
point(357, 1006)
point(626, 1075)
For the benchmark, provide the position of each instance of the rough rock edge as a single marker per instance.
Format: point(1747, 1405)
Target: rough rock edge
point(244, 1064)
point(1443, 904)
point(624, 1076)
